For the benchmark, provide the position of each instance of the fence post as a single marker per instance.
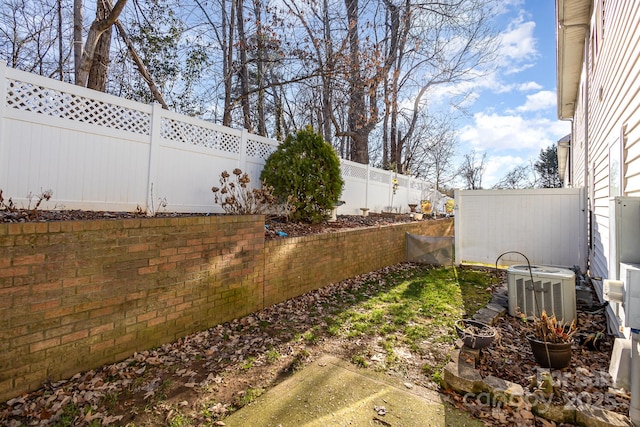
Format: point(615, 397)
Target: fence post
point(366, 190)
point(244, 139)
point(390, 191)
point(155, 136)
point(457, 227)
point(4, 178)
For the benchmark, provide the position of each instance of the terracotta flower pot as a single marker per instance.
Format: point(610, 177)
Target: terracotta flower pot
point(550, 355)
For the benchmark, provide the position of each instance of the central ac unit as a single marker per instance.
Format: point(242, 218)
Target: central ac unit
point(553, 289)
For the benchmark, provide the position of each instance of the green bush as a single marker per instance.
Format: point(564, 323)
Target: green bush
point(306, 170)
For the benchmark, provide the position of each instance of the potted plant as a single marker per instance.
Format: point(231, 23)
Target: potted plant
point(550, 340)
point(475, 334)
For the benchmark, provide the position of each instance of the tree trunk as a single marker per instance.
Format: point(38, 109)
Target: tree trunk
point(77, 37)
point(98, 27)
point(260, 61)
point(60, 47)
point(97, 79)
point(357, 112)
point(328, 71)
point(228, 28)
point(243, 71)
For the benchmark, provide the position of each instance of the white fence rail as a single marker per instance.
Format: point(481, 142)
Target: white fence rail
point(547, 225)
point(99, 152)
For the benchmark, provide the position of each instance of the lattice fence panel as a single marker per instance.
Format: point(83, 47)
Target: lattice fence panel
point(26, 96)
point(379, 177)
point(259, 149)
point(197, 135)
point(353, 171)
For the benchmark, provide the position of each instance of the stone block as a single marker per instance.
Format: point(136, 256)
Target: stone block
point(470, 355)
point(485, 315)
point(587, 415)
point(498, 309)
point(461, 376)
point(559, 414)
point(504, 391)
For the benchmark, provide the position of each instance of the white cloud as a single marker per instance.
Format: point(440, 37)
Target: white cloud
point(518, 46)
point(511, 132)
point(497, 167)
point(527, 86)
point(539, 101)
point(517, 52)
point(506, 6)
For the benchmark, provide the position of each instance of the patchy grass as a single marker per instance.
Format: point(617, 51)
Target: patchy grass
point(414, 305)
point(248, 363)
point(248, 396)
point(273, 355)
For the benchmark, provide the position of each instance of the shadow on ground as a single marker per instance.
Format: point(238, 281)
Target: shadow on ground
point(332, 392)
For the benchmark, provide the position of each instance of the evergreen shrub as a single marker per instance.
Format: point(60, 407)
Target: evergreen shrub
point(306, 171)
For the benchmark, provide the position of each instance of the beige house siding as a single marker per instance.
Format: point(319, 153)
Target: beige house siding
point(611, 82)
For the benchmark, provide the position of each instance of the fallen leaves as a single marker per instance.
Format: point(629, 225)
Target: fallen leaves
point(201, 375)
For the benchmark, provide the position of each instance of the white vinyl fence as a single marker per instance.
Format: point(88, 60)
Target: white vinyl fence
point(547, 225)
point(99, 152)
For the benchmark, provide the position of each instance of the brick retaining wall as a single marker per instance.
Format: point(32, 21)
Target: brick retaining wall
point(79, 294)
point(301, 264)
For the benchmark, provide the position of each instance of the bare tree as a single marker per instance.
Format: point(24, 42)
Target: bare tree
point(354, 69)
point(472, 170)
point(431, 149)
point(446, 43)
point(27, 36)
point(519, 177)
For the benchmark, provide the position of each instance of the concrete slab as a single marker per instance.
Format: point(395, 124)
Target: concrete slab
point(332, 392)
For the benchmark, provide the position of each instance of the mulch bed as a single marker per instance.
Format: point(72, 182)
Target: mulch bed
point(275, 227)
point(585, 380)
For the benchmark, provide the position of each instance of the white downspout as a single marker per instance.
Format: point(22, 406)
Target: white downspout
point(634, 404)
point(586, 29)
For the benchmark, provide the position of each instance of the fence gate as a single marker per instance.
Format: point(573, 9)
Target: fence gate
point(547, 225)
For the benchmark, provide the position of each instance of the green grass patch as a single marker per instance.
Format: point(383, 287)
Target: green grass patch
point(248, 363)
point(180, 420)
point(273, 355)
point(414, 304)
point(249, 396)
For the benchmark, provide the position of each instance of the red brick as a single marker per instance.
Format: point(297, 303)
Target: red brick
point(140, 247)
point(14, 271)
point(45, 305)
point(75, 336)
point(42, 345)
point(100, 329)
point(147, 316)
point(101, 346)
point(148, 270)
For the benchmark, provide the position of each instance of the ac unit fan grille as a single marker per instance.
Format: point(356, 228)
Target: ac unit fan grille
point(548, 295)
point(552, 289)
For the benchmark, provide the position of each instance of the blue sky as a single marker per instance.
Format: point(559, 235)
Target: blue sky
point(513, 110)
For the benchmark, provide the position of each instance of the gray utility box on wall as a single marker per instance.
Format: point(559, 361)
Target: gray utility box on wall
point(624, 233)
point(630, 276)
